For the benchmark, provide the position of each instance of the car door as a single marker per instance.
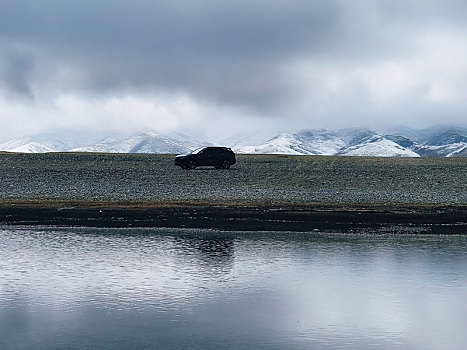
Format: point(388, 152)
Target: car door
point(209, 156)
point(201, 157)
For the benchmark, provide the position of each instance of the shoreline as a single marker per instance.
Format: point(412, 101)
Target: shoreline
point(431, 219)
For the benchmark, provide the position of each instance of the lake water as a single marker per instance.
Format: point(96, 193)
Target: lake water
point(186, 289)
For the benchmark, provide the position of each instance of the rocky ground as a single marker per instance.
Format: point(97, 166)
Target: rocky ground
point(304, 183)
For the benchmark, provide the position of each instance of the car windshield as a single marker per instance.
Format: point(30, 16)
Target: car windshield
point(196, 151)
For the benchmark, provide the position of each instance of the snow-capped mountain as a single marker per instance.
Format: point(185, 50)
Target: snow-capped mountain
point(249, 138)
point(317, 142)
point(36, 144)
point(354, 136)
point(349, 142)
point(396, 142)
point(26, 145)
point(378, 146)
point(434, 142)
point(148, 142)
point(281, 144)
point(441, 141)
point(54, 141)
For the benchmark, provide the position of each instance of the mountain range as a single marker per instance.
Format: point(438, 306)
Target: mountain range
point(440, 141)
point(397, 142)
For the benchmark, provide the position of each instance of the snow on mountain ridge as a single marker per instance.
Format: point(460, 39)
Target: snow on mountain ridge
point(25, 146)
point(30, 145)
point(281, 144)
point(311, 142)
point(147, 142)
point(355, 136)
point(459, 148)
point(378, 146)
point(353, 141)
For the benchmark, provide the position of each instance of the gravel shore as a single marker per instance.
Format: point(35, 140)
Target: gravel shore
point(305, 183)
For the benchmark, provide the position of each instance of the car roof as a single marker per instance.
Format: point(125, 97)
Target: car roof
point(218, 147)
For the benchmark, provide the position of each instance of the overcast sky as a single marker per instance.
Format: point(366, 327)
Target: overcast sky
point(220, 67)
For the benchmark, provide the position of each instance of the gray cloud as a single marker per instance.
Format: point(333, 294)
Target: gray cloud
point(176, 44)
point(262, 56)
point(15, 70)
point(228, 52)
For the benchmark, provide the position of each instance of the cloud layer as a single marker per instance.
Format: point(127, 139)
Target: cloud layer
point(240, 64)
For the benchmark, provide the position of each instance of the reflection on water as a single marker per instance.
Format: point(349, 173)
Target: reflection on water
point(140, 288)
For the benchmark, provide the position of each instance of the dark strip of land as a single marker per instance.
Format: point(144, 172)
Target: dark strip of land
point(286, 193)
point(437, 220)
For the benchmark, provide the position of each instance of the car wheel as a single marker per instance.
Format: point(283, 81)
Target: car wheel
point(191, 164)
point(225, 164)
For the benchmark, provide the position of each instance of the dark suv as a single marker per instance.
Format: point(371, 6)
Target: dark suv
point(218, 157)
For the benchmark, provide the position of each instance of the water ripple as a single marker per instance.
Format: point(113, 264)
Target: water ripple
point(239, 290)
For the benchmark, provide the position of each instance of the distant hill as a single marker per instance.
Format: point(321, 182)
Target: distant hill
point(402, 142)
point(148, 142)
point(441, 141)
point(36, 144)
